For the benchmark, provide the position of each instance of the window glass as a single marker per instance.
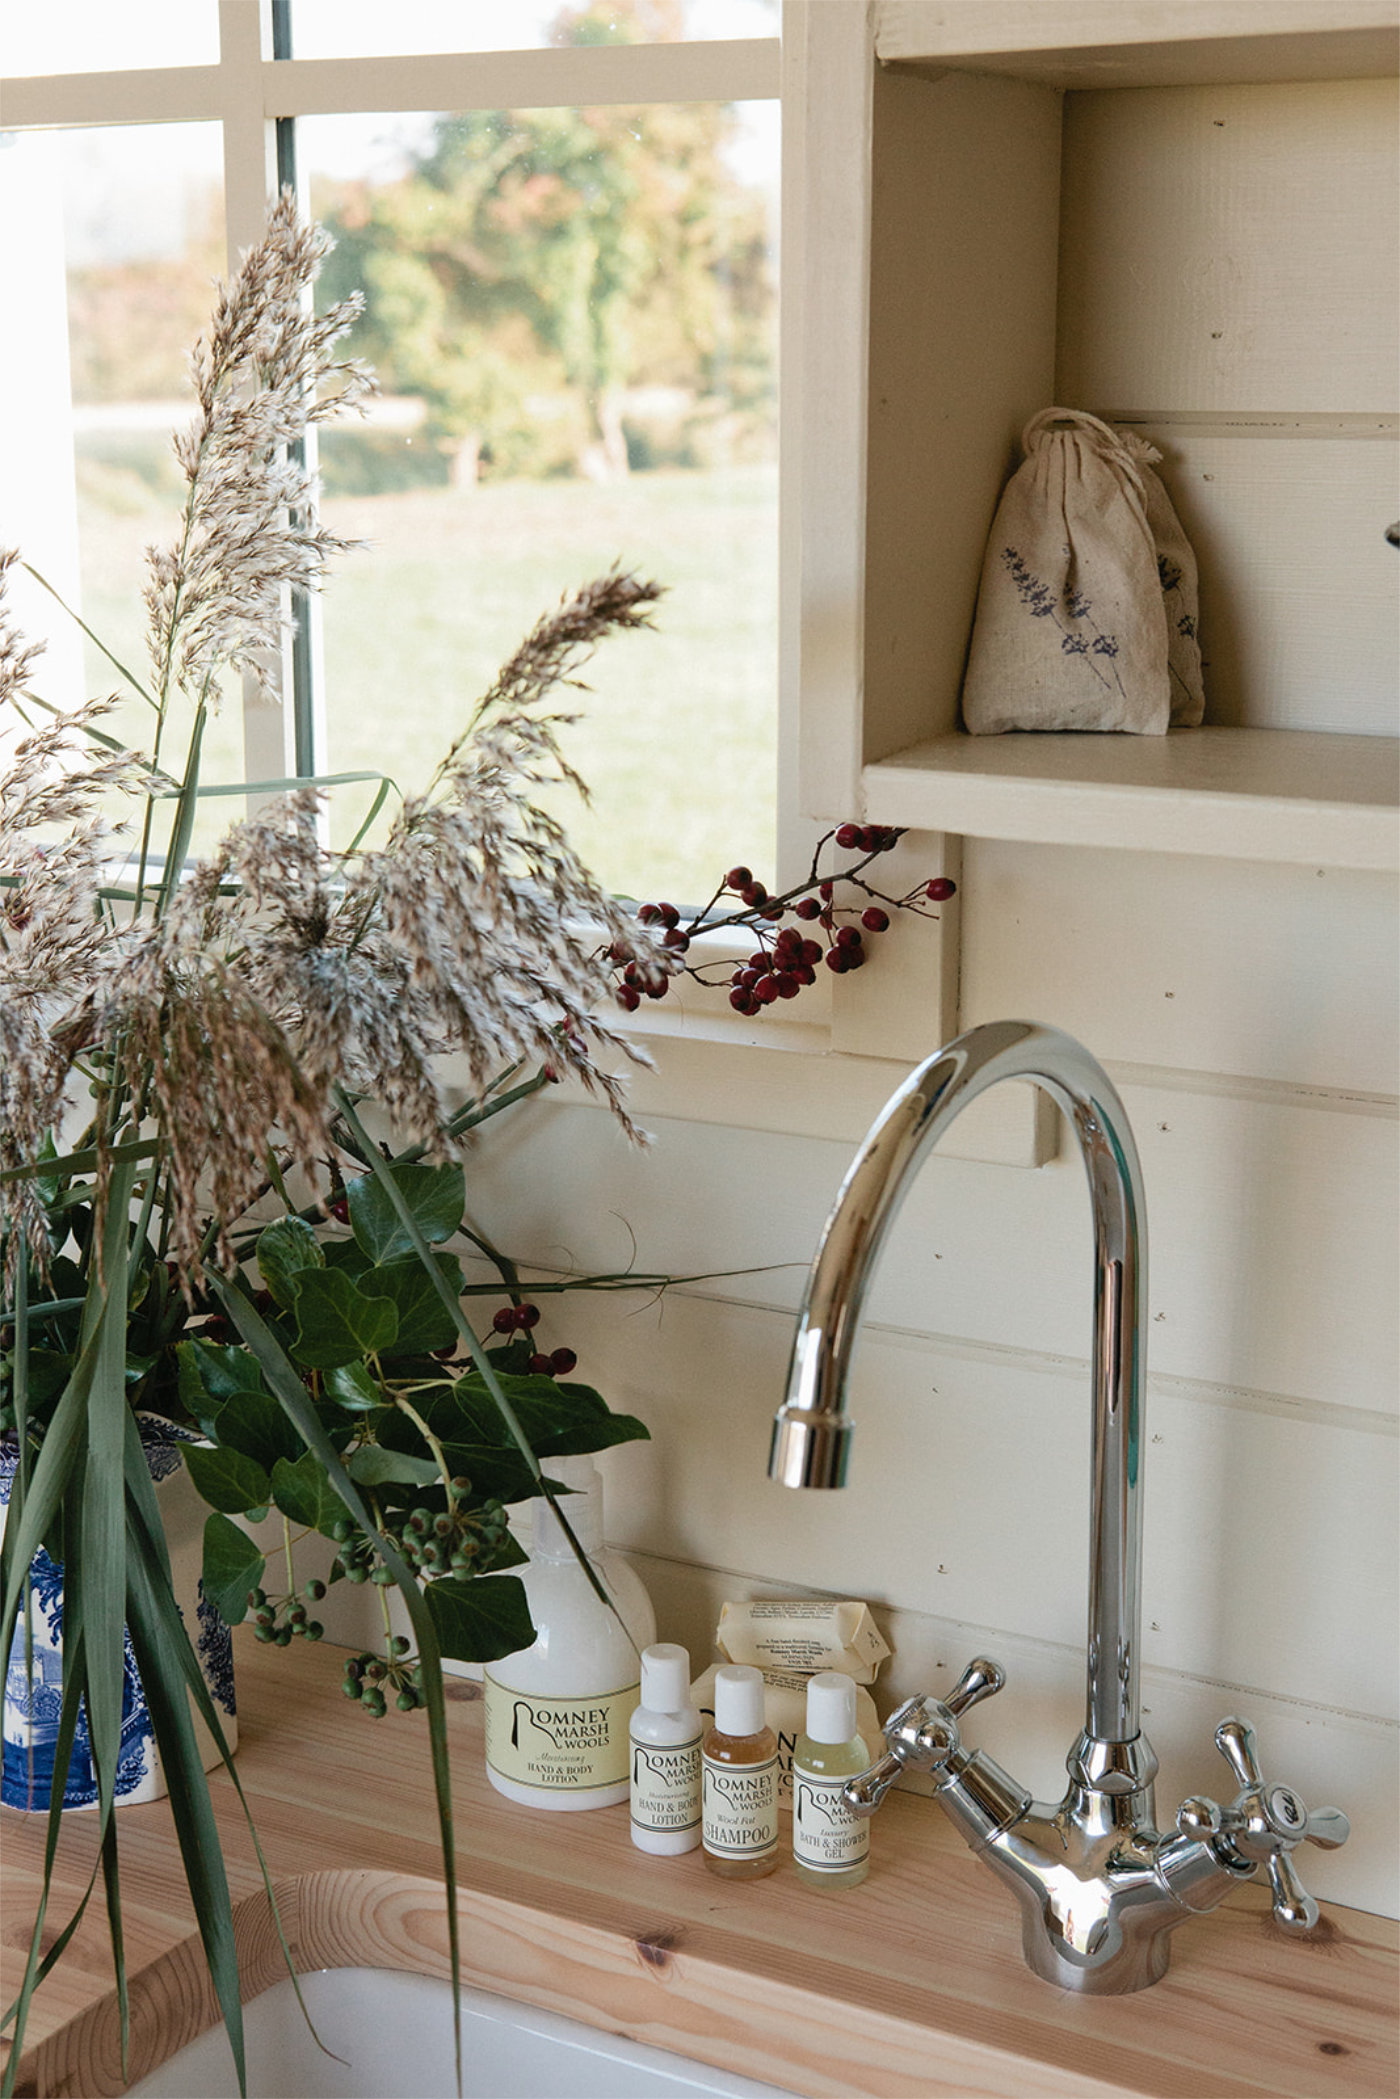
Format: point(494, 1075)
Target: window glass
point(573, 317)
point(113, 237)
point(94, 36)
point(368, 29)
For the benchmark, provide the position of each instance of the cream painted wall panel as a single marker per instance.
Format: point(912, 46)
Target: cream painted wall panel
point(1212, 244)
point(1272, 1231)
point(968, 1499)
point(1219, 966)
point(1298, 627)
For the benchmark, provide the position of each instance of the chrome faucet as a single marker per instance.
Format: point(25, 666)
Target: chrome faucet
point(1100, 1888)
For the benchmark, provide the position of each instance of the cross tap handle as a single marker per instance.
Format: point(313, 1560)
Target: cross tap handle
point(1265, 1824)
point(923, 1735)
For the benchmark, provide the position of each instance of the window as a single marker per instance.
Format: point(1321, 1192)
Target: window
point(569, 252)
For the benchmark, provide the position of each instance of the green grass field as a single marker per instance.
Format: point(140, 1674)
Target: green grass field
point(678, 733)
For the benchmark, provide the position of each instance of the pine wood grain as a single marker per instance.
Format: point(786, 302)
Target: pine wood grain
point(911, 1986)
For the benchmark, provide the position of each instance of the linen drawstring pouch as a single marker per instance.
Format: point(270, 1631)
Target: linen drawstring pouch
point(1086, 613)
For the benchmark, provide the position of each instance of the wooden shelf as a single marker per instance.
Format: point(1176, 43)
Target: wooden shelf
point(917, 1988)
point(1143, 43)
point(1237, 794)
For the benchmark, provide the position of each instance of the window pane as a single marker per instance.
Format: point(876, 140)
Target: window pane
point(94, 36)
point(572, 313)
point(368, 29)
point(113, 237)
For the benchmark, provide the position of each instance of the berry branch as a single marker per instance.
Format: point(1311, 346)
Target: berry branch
point(786, 959)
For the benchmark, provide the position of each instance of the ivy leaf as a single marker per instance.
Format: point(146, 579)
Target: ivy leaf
point(424, 1320)
point(223, 1389)
point(351, 1386)
point(479, 1619)
point(303, 1492)
point(338, 1321)
point(227, 1479)
point(371, 1466)
point(232, 1566)
point(497, 1473)
point(209, 1371)
point(284, 1250)
point(345, 1254)
point(436, 1195)
point(559, 1420)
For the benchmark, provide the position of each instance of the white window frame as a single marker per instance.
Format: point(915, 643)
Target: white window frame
point(827, 1068)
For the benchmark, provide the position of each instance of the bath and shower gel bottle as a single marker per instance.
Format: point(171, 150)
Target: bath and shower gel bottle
point(557, 1712)
point(739, 1769)
point(830, 1843)
point(665, 1733)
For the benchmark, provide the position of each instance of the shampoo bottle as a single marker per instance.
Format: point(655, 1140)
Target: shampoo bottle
point(830, 1843)
point(739, 1772)
point(665, 1732)
point(557, 1712)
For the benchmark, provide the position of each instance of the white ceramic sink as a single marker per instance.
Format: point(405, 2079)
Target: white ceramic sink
point(394, 2031)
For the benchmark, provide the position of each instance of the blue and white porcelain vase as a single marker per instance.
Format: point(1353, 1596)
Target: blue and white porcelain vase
point(32, 1701)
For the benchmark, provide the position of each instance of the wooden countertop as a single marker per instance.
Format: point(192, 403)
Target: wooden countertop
point(910, 1986)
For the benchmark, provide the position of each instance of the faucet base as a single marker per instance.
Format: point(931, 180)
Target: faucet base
point(1100, 1889)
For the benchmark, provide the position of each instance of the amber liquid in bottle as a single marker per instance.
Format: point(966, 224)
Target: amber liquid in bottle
point(739, 1779)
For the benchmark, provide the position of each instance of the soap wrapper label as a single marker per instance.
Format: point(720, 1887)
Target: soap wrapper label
point(785, 1711)
point(740, 1808)
point(559, 1744)
point(803, 1635)
point(666, 1786)
point(827, 1836)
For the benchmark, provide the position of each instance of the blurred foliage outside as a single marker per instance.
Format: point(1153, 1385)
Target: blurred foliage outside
point(572, 315)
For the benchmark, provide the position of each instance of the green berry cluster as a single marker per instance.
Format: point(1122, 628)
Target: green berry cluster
point(372, 1679)
point(453, 1540)
point(279, 1619)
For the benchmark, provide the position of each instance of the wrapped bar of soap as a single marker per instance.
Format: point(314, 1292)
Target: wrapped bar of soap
point(785, 1710)
point(803, 1635)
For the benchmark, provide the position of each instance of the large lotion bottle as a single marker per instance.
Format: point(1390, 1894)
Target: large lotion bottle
point(665, 1731)
point(557, 1712)
point(830, 1843)
point(739, 1770)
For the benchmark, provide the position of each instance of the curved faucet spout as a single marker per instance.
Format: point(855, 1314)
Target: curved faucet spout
point(812, 1433)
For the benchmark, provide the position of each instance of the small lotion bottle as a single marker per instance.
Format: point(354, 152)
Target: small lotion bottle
point(665, 1733)
point(830, 1843)
point(557, 1713)
point(739, 1780)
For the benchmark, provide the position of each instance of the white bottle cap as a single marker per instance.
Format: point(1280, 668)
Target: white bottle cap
point(831, 1707)
point(739, 1700)
point(665, 1678)
point(583, 1508)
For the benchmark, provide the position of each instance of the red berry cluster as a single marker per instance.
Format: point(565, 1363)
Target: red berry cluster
point(786, 958)
point(519, 1319)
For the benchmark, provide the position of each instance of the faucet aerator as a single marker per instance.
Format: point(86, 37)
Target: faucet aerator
point(810, 1448)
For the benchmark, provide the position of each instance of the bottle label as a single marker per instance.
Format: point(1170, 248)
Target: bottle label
point(666, 1786)
point(740, 1808)
point(827, 1836)
point(560, 1745)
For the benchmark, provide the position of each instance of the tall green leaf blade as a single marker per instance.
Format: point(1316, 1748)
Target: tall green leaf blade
point(18, 2011)
point(95, 1567)
point(281, 1374)
point(162, 1680)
